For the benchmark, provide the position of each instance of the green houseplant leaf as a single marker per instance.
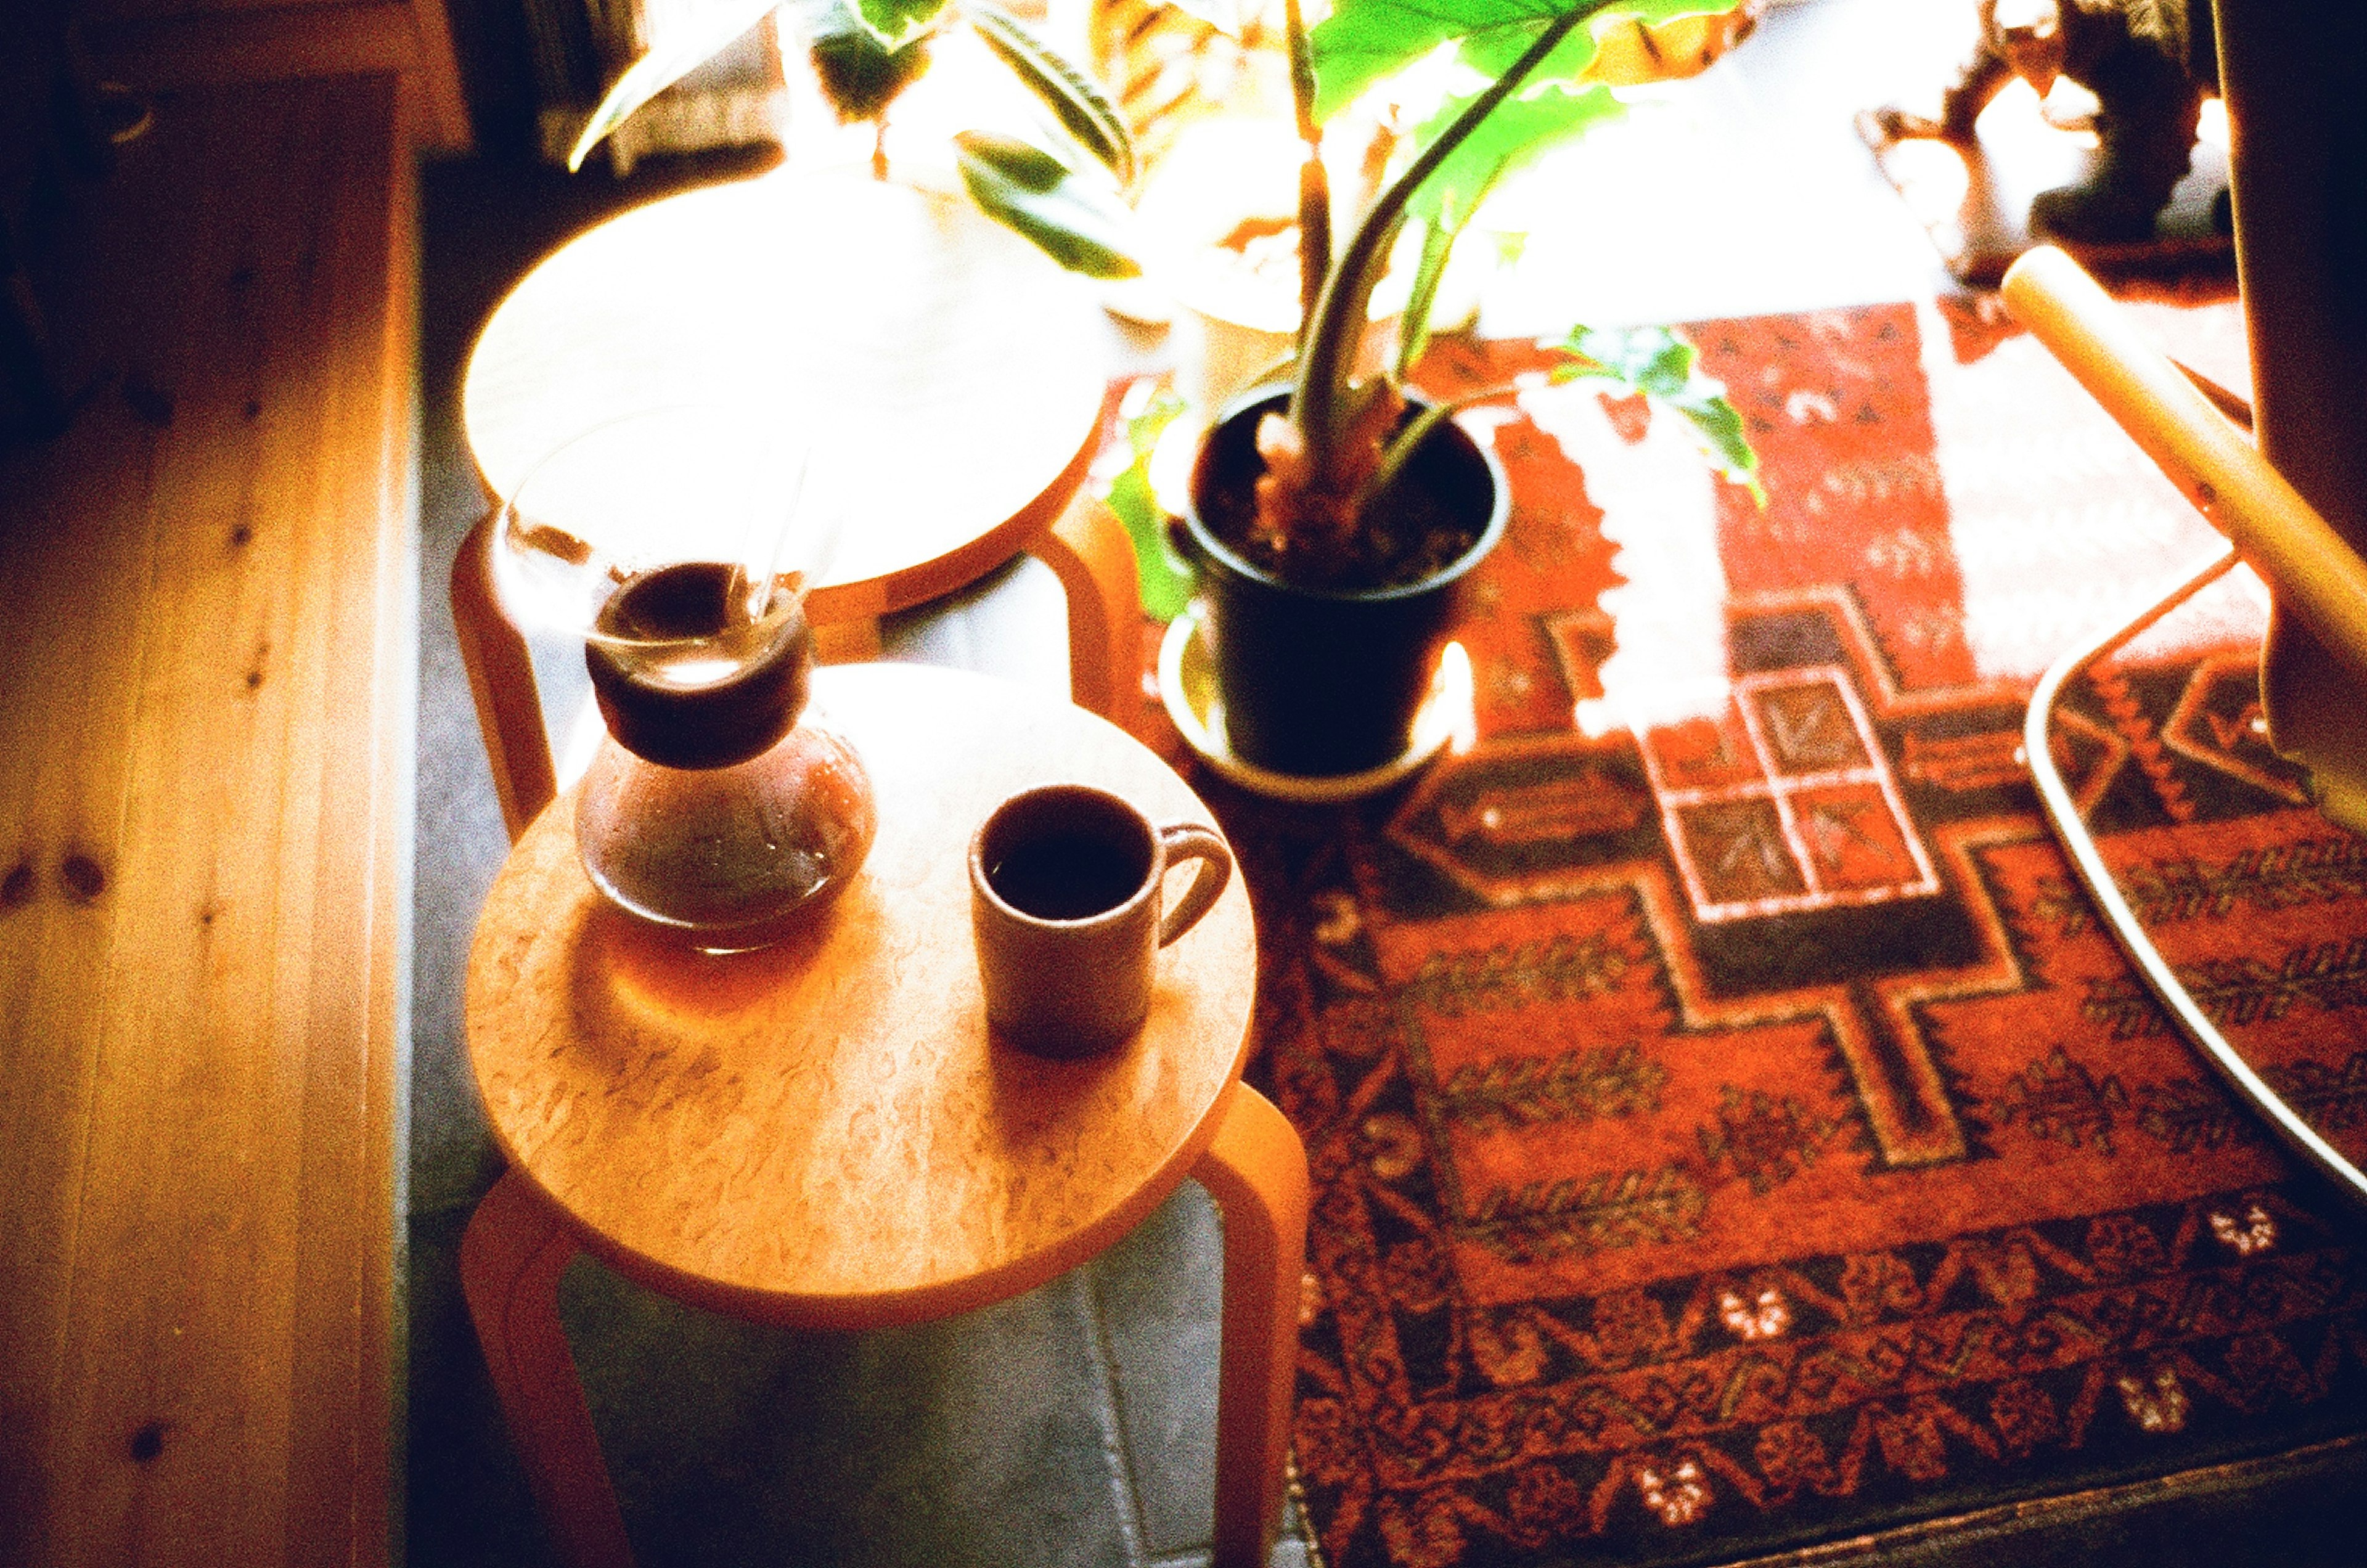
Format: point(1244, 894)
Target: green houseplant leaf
point(1658, 363)
point(1521, 130)
point(1359, 44)
point(663, 66)
point(1074, 215)
point(1165, 579)
point(858, 74)
point(896, 23)
point(866, 51)
point(1492, 49)
point(1647, 359)
point(1322, 405)
point(1068, 92)
point(1540, 52)
point(1363, 42)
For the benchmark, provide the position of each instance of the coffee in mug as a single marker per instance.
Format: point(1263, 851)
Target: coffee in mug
point(1066, 886)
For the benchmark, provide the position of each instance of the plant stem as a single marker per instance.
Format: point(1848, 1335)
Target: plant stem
point(1402, 445)
point(1319, 405)
point(1413, 325)
point(1314, 180)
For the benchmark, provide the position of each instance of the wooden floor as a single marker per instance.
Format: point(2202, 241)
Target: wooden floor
point(205, 762)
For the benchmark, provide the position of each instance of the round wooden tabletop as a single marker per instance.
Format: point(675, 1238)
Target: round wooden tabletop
point(822, 1132)
point(950, 375)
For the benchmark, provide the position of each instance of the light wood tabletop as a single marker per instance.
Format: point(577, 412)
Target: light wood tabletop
point(950, 374)
point(822, 1132)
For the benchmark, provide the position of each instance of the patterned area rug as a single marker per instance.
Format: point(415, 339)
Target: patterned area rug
point(1731, 1127)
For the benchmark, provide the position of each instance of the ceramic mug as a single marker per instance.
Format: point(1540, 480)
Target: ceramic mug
point(1066, 884)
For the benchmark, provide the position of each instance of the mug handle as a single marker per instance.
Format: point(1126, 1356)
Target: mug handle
point(1186, 841)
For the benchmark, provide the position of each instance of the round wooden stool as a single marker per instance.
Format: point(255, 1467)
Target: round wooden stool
point(822, 1134)
point(953, 378)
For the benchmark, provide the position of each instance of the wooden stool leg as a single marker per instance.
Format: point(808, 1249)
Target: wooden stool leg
point(501, 677)
point(1256, 1170)
point(1088, 549)
point(511, 1258)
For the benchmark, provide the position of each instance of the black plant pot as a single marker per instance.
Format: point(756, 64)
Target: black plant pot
point(1320, 683)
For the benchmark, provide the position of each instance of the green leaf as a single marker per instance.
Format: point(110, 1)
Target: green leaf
point(1073, 96)
point(1643, 359)
point(1166, 581)
point(1073, 216)
point(1523, 130)
point(1488, 50)
point(896, 23)
point(1661, 365)
point(1719, 425)
point(1364, 41)
point(664, 66)
point(858, 74)
point(1319, 405)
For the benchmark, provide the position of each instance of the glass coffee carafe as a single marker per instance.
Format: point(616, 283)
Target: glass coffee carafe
point(680, 544)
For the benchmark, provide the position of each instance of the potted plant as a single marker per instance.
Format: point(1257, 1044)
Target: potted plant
point(1332, 517)
point(1062, 189)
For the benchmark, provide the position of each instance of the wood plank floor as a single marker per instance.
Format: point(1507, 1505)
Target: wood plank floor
point(205, 718)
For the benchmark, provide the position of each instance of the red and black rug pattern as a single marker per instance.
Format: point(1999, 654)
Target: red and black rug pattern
point(1733, 1129)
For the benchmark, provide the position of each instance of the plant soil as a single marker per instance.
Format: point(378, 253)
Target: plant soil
point(1412, 535)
